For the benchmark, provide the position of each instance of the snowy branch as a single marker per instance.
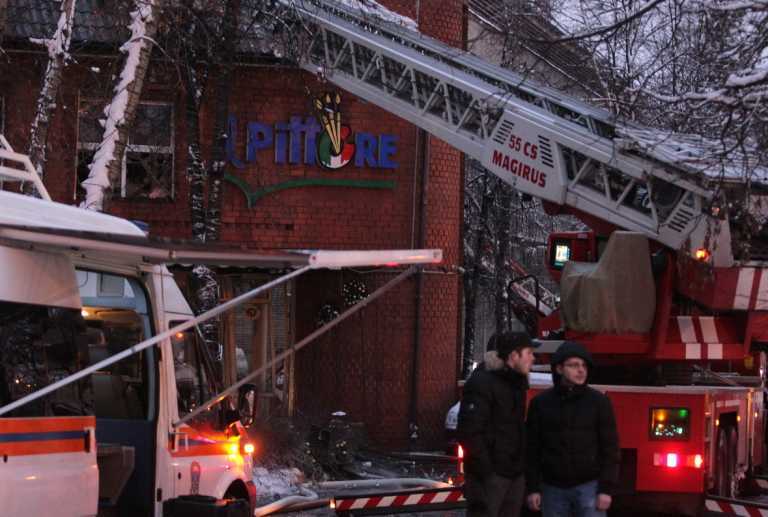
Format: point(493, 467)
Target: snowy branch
point(58, 56)
point(104, 169)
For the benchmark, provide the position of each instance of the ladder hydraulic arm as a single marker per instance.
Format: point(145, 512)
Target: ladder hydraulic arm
point(535, 138)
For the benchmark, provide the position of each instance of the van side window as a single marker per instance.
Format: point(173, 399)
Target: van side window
point(120, 390)
point(194, 384)
point(41, 345)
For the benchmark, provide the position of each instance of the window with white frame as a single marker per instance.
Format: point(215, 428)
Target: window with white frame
point(147, 168)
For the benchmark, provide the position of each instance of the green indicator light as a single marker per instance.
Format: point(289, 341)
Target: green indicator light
point(683, 413)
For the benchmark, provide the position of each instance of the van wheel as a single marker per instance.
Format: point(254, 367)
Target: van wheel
point(237, 491)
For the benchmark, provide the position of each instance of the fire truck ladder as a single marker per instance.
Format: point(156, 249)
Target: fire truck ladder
point(541, 142)
point(18, 167)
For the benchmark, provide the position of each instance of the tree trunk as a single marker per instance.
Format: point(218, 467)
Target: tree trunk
point(194, 75)
point(3, 15)
point(106, 166)
point(205, 278)
point(472, 278)
point(58, 53)
point(222, 89)
point(503, 223)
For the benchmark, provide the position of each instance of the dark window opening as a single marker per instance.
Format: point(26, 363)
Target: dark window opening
point(148, 162)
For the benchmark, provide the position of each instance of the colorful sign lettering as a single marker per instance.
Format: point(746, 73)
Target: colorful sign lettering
point(316, 140)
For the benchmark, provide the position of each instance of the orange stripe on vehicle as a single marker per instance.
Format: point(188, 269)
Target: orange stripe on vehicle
point(214, 449)
point(46, 424)
point(43, 447)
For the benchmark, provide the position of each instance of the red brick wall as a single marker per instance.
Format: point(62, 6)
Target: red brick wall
point(376, 388)
point(364, 365)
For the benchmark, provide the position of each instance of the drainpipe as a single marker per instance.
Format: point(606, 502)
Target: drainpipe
point(423, 164)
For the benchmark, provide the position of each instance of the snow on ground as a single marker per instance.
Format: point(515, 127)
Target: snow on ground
point(276, 484)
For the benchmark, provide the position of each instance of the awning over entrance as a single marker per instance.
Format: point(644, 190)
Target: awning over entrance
point(130, 250)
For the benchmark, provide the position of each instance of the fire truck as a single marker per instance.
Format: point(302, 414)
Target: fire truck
point(667, 288)
point(109, 403)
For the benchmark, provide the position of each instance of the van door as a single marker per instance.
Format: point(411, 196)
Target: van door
point(202, 452)
point(116, 312)
point(48, 446)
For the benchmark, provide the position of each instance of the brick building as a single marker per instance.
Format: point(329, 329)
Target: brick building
point(401, 189)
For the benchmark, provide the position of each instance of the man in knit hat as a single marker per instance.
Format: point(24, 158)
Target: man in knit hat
point(492, 429)
point(572, 462)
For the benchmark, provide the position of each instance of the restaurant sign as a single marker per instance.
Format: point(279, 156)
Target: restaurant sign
point(317, 140)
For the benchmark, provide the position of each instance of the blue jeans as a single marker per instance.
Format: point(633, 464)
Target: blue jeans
point(576, 501)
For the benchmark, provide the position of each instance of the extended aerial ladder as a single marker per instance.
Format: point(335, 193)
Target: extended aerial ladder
point(540, 141)
point(564, 151)
point(556, 148)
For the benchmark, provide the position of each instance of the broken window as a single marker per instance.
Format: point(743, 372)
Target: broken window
point(147, 167)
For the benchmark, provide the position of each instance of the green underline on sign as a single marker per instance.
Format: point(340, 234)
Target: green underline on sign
point(252, 196)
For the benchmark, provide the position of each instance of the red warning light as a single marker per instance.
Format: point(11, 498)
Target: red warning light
point(671, 460)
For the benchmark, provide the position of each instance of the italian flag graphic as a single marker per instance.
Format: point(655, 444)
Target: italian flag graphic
point(325, 151)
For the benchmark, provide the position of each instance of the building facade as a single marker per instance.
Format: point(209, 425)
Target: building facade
point(391, 365)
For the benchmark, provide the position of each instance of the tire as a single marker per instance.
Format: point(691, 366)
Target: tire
point(236, 492)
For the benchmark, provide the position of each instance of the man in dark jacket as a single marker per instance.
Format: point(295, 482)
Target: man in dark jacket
point(492, 427)
point(573, 447)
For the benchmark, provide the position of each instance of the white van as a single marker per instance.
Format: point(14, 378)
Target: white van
point(104, 444)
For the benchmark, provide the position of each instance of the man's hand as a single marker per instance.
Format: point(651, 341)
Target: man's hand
point(603, 501)
point(534, 501)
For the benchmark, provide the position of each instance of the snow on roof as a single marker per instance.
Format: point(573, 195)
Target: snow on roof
point(94, 21)
point(107, 23)
point(695, 154)
point(375, 9)
point(30, 211)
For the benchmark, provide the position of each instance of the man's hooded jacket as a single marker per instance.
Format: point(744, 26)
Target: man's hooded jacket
point(572, 437)
point(491, 420)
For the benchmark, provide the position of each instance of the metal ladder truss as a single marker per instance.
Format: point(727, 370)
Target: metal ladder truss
point(480, 108)
point(526, 289)
point(18, 167)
